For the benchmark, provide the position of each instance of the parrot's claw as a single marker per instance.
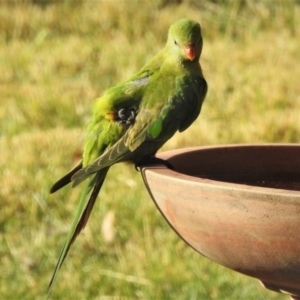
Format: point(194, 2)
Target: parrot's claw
point(153, 161)
point(126, 117)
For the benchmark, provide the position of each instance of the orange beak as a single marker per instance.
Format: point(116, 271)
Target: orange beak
point(190, 51)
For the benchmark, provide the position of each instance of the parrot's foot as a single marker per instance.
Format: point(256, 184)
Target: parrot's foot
point(126, 117)
point(153, 161)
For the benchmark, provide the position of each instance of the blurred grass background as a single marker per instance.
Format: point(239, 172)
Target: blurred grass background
point(56, 57)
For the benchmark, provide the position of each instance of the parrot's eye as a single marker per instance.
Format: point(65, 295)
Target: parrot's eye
point(175, 42)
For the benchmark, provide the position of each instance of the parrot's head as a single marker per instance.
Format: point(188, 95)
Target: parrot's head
point(185, 40)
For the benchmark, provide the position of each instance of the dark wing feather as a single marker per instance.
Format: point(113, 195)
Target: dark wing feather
point(66, 179)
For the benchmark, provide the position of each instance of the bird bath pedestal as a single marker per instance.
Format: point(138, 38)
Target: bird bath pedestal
point(238, 205)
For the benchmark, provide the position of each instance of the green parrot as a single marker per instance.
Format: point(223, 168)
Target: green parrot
point(131, 121)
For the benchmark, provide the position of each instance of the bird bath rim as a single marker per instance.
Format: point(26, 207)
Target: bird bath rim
point(174, 155)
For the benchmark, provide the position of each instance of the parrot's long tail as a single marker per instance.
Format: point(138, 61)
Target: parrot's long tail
point(87, 202)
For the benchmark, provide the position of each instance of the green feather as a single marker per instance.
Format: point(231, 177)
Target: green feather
point(155, 128)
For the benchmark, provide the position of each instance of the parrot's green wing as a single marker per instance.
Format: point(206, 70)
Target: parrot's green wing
point(153, 127)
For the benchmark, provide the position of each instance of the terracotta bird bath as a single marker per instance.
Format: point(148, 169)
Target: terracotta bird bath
point(238, 205)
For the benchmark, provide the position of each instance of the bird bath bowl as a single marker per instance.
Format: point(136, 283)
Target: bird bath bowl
point(238, 205)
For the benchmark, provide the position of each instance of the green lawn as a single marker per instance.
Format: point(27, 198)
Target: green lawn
point(55, 59)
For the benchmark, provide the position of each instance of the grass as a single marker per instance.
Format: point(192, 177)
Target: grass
point(55, 58)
